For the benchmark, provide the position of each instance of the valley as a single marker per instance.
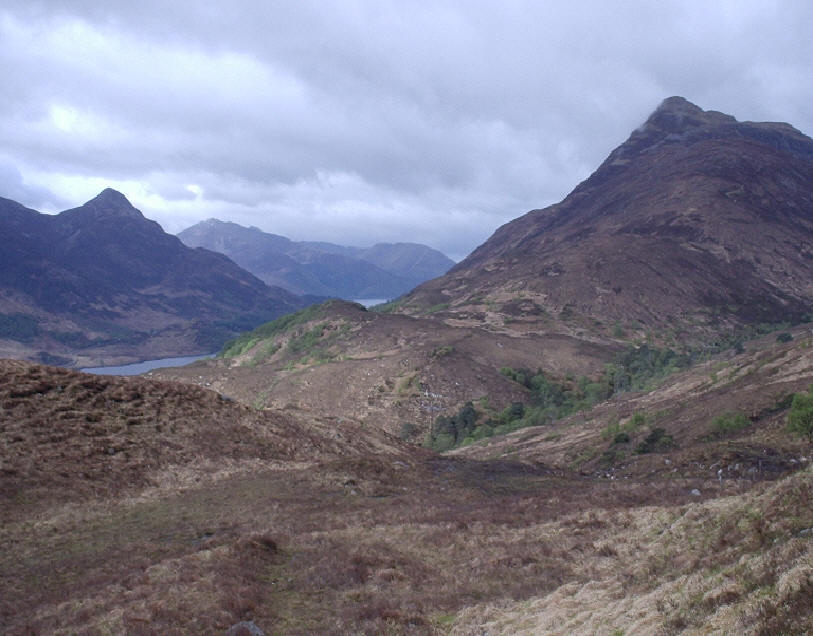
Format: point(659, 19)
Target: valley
point(600, 422)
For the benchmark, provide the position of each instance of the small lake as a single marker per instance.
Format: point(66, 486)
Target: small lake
point(138, 368)
point(142, 367)
point(369, 302)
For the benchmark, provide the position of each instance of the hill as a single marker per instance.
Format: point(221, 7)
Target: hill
point(164, 506)
point(384, 270)
point(387, 371)
point(694, 228)
point(101, 284)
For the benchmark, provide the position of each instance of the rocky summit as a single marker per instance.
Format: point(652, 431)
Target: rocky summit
point(696, 226)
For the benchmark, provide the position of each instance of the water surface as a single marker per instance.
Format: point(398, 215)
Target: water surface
point(370, 302)
point(142, 367)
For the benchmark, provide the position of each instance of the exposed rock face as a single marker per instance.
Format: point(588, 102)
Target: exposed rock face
point(385, 270)
point(101, 282)
point(697, 222)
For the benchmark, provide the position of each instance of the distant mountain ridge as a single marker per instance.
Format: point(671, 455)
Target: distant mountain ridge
point(385, 270)
point(697, 224)
point(102, 284)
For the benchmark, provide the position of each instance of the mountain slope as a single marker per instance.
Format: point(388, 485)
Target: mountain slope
point(102, 282)
point(322, 269)
point(697, 223)
point(83, 435)
point(412, 261)
point(388, 371)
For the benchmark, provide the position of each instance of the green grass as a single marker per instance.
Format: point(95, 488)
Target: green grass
point(265, 352)
point(307, 342)
point(246, 341)
point(800, 418)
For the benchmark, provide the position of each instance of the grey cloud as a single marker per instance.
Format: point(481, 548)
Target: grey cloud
point(14, 187)
point(394, 121)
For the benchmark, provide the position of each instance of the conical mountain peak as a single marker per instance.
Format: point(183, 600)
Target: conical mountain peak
point(678, 121)
point(693, 215)
point(678, 115)
point(113, 202)
point(675, 120)
point(110, 195)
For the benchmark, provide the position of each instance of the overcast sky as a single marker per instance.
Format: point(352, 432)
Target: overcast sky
point(365, 121)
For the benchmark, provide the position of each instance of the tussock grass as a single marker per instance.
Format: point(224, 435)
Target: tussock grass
point(741, 564)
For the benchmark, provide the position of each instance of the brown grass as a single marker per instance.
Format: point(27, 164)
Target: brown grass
point(368, 536)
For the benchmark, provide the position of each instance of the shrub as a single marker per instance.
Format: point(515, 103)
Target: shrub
point(440, 352)
point(484, 430)
point(800, 418)
point(408, 430)
point(449, 432)
point(636, 421)
point(621, 438)
point(656, 441)
point(728, 423)
point(515, 411)
point(784, 337)
point(441, 442)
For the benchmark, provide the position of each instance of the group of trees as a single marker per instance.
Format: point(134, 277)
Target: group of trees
point(468, 425)
point(635, 368)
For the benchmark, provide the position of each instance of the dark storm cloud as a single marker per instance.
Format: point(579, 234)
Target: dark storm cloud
point(367, 121)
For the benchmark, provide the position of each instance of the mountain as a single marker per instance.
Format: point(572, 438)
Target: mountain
point(698, 225)
point(321, 269)
point(415, 262)
point(692, 237)
point(102, 284)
